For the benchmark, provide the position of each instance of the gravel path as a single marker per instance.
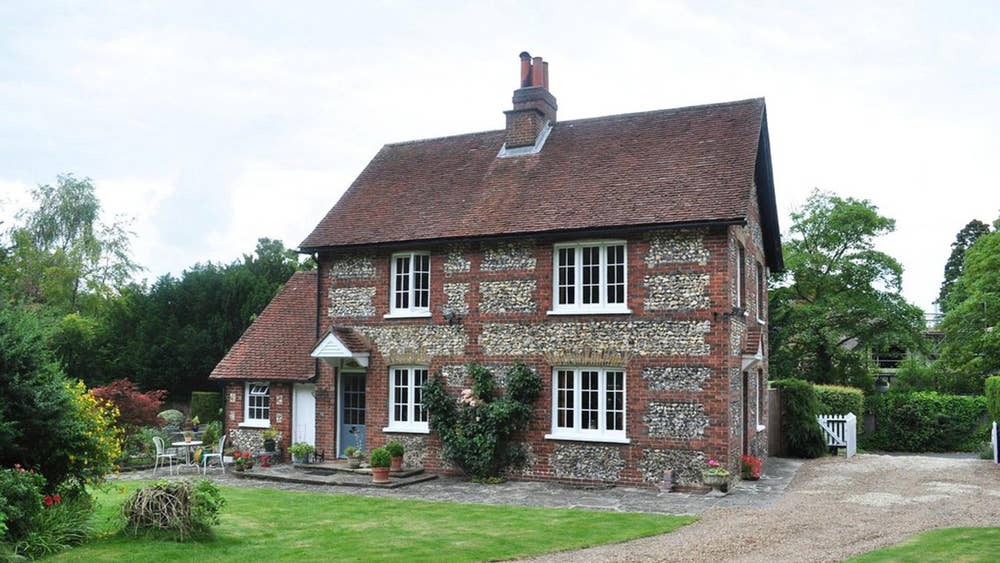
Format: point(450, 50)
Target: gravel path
point(834, 508)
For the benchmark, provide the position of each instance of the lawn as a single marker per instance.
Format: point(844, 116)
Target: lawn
point(954, 545)
point(266, 524)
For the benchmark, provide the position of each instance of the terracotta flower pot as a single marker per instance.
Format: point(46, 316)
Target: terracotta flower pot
point(380, 474)
point(396, 464)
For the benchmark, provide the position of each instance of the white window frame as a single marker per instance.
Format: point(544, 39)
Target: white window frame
point(256, 422)
point(586, 434)
point(761, 394)
point(409, 425)
point(741, 256)
point(411, 311)
point(579, 308)
point(761, 281)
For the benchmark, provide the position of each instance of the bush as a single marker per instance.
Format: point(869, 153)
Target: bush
point(33, 524)
point(925, 421)
point(171, 420)
point(206, 405)
point(180, 508)
point(46, 422)
point(213, 431)
point(914, 374)
point(837, 399)
point(21, 494)
point(394, 448)
point(135, 409)
point(476, 431)
point(993, 396)
point(380, 458)
point(799, 408)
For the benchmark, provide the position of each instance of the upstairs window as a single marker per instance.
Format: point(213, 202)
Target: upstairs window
point(590, 277)
point(410, 290)
point(406, 407)
point(257, 405)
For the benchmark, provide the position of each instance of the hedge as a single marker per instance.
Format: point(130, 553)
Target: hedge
point(925, 421)
point(206, 405)
point(838, 399)
point(993, 396)
point(799, 407)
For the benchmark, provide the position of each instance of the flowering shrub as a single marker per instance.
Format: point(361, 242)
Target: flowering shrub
point(35, 524)
point(20, 500)
point(750, 467)
point(96, 440)
point(476, 430)
point(135, 409)
point(715, 468)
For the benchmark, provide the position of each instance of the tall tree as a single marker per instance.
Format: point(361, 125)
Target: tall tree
point(971, 348)
point(838, 297)
point(61, 249)
point(965, 238)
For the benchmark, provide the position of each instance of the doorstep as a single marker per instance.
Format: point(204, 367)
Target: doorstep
point(310, 475)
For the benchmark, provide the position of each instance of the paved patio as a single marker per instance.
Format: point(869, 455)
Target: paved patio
point(776, 475)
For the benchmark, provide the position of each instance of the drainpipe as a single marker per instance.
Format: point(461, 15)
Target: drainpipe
point(319, 293)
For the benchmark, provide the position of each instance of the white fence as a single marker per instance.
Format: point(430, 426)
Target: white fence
point(841, 431)
point(996, 443)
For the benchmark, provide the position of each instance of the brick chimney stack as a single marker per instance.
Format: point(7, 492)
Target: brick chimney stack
point(534, 105)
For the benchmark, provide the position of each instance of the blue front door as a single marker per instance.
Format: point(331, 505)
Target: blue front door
point(352, 411)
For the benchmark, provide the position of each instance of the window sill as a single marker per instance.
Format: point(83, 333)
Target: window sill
point(589, 312)
point(407, 315)
point(254, 425)
point(761, 427)
point(585, 438)
point(397, 430)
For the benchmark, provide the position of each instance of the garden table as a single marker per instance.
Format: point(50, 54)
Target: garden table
point(187, 450)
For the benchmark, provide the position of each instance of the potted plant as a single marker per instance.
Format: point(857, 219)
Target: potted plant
point(354, 456)
point(395, 450)
point(229, 455)
point(750, 467)
point(243, 461)
point(194, 423)
point(715, 476)
point(300, 452)
point(380, 461)
point(270, 439)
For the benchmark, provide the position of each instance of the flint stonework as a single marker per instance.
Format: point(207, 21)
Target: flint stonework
point(673, 292)
point(352, 267)
point(687, 378)
point(686, 466)
point(519, 255)
point(507, 296)
point(352, 302)
point(456, 263)
point(592, 463)
point(418, 340)
point(682, 421)
point(455, 296)
point(673, 247)
point(643, 338)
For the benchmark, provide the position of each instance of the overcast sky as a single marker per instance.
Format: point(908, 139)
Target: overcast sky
point(213, 124)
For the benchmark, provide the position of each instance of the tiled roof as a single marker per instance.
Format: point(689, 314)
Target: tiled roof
point(676, 166)
point(355, 341)
point(277, 344)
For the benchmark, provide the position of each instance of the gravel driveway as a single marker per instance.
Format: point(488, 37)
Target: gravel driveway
point(833, 509)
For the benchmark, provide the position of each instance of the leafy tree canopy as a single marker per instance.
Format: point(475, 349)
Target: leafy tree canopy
point(61, 250)
point(965, 238)
point(838, 297)
point(971, 347)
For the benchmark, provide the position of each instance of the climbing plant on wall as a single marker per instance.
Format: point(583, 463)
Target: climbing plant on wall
point(476, 429)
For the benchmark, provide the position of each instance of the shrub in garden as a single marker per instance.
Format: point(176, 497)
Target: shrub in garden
point(925, 421)
point(180, 508)
point(839, 399)
point(476, 430)
point(799, 408)
point(993, 396)
point(34, 524)
point(206, 405)
point(135, 409)
point(171, 420)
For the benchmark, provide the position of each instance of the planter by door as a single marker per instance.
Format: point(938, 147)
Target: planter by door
point(269, 445)
point(397, 464)
point(380, 474)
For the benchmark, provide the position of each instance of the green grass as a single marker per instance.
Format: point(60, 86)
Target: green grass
point(953, 545)
point(266, 524)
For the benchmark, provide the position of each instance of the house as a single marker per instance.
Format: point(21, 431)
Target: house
point(623, 257)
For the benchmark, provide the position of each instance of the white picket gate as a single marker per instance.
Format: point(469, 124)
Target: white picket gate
point(841, 431)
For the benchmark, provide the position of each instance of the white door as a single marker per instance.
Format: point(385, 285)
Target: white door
point(304, 413)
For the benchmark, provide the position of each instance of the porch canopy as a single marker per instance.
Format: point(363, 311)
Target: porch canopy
point(342, 343)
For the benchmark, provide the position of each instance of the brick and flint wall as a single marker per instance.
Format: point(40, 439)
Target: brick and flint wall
point(681, 355)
